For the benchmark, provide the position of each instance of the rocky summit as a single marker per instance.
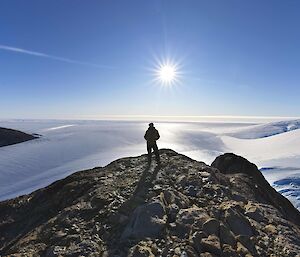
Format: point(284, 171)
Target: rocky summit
point(181, 208)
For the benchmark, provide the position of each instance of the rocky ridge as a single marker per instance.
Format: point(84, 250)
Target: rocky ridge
point(11, 137)
point(182, 208)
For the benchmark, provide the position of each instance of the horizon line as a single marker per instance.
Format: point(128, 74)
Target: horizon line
point(161, 118)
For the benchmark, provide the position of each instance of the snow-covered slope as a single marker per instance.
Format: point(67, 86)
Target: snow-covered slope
point(277, 155)
point(266, 130)
point(284, 145)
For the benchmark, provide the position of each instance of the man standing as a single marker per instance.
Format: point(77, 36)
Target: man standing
point(151, 136)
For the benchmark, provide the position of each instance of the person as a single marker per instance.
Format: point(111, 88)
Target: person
point(152, 136)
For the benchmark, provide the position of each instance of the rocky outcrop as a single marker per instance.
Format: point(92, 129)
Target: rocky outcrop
point(183, 208)
point(11, 136)
point(247, 172)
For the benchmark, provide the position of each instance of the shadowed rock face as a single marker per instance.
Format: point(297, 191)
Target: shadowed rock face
point(183, 208)
point(10, 137)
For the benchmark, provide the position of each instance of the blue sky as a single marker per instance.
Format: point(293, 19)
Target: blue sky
point(88, 59)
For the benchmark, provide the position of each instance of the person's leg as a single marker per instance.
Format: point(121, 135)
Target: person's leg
point(149, 150)
point(155, 148)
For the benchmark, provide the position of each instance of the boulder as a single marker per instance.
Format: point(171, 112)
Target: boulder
point(186, 218)
point(226, 236)
point(141, 251)
point(230, 163)
point(177, 198)
point(238, 223)
point(148, 220)
point(211, 227)
point(211, 244)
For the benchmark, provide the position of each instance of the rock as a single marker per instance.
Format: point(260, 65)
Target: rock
point(189, 252)
point(238, 223)
point(211, 244)
point(183, 254)
point(271, 229)
point(169, 196)
point(127, 209)
point(172, 212)
point(192, 215)
point(226, 236)
point(211, 227)
point(196, 240)
point(238, 197)
point(186, 218)
point(177, 198)
point(253, 212)
point(55, 251)
point(262, 191)
point(157, 188)
point(228, 251)
point(247, 242)
point(11, 137)
point(181, 180)
point(177, 251)
point(141, 251)
point(147, 220)
point(204, 174)
point(241, 249)
point(192, 191)
point(206, 254)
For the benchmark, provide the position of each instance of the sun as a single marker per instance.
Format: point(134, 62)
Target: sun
point(167, 73)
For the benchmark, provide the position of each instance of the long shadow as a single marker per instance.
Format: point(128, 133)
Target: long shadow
point(146, 181)
point(141, 191)
point(139, 196)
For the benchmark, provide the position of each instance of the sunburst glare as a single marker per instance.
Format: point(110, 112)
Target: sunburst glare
point(167, 73)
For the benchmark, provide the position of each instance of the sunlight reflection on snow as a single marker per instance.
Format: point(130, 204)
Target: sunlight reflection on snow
point(66, 147)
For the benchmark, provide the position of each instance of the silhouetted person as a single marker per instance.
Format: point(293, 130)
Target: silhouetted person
point(151, 136)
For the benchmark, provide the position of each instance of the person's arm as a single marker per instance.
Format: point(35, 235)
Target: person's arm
point(146, 135)
point(157, 135)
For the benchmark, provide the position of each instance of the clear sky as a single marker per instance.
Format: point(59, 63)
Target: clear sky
point(88, 59)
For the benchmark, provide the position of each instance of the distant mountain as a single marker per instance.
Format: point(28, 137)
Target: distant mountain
point(11, 136)
point(181, 208)
point(266, 130)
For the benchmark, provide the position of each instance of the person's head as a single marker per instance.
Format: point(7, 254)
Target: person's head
point(151, 125)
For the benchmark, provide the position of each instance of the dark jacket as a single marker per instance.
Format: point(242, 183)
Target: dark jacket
point(151, 135)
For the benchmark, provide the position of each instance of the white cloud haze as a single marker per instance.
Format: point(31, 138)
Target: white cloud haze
point(53, 57)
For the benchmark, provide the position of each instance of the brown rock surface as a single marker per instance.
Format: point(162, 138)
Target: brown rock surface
point(182, 208)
